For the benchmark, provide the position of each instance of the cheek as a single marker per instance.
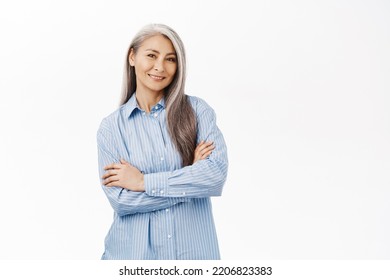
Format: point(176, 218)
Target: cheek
point(143, 66)
point(172, 70)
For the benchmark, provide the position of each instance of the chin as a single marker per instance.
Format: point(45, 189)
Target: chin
point(158, 89)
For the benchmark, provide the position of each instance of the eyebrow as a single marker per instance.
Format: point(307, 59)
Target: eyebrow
point(174, 53)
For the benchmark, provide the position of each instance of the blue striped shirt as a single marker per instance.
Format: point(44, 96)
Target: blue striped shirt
point(173, 218)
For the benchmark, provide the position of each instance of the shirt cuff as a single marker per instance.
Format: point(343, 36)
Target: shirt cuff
point(156, 184)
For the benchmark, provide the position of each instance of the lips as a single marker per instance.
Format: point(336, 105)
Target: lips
point(156, 78)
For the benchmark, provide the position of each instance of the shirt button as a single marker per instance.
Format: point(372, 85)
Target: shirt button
point(156, 107)
point(161, 191)
point(169, 236)
point(153, 191)
point(143, 113)
point(161, 158)
point(184, 193)
point(155, 115)
point(167, 210)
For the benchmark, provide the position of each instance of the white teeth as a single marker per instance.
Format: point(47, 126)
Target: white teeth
point(155, 77)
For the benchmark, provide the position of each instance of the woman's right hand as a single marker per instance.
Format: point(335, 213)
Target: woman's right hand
point(203, 150)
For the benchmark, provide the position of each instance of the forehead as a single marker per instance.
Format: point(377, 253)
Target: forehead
point(159, 43)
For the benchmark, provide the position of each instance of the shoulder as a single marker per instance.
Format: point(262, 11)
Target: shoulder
point(200, 106)
point(110, 121)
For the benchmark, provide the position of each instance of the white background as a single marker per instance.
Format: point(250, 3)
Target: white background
point(300, 88)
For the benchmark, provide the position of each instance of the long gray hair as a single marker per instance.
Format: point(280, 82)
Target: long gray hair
point(181, 118)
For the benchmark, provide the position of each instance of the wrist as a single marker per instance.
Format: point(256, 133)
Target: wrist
point(141, 184)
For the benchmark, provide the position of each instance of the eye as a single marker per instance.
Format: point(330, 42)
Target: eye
point(151, 55)
point(171, 59)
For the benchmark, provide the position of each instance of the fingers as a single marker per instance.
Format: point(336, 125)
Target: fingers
point(116, 165)
point(109, 173)
point(113, 184)
point(111, 181)
point(206, 154)
point(113, 166)
point(202, 145)
point(203, 150)
point(119, 174)
point(199, 145)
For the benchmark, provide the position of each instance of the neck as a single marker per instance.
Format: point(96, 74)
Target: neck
point(147, 99)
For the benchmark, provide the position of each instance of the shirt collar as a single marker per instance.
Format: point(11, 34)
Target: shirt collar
point(132, 104)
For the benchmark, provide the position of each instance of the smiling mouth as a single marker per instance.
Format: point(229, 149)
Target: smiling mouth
point(156, 78)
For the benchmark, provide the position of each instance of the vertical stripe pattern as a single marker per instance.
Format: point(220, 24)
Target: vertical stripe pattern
point(173, 218)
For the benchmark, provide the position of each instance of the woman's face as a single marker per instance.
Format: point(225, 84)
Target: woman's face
point(155, 64)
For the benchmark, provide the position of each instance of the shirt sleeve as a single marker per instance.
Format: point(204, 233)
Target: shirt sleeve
point(123, 201)
point(206, 177)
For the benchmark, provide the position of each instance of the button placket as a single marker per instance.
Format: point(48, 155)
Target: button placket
point(169, 217)
point(169, 233)
point(155, 115)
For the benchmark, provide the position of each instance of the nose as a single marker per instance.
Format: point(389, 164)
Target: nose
point(159, 65)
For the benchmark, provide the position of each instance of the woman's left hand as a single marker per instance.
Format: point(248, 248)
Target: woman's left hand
point(203, 150)
point(123, 175)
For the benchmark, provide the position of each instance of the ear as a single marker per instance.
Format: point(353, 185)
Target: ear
point(131, 57)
